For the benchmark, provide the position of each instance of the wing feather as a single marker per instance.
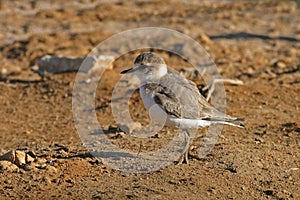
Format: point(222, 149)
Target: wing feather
point(181, 98)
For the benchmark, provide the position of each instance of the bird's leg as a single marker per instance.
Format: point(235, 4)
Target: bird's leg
point(185, 156)
point(211, 87)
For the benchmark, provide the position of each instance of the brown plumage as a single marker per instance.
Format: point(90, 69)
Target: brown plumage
point(183, 99)
point(174, 100)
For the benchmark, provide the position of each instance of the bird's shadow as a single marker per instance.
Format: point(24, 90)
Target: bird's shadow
point(245, 35)
point(110, 130)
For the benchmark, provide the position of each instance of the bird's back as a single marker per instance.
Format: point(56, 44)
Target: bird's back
point(181, 98)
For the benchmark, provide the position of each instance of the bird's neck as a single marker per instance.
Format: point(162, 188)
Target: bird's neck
point(163, 70)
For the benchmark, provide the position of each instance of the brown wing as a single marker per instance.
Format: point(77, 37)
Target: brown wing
point(180, 97)
point(177, 97)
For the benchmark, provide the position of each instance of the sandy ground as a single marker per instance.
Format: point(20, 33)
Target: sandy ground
point(256, 42)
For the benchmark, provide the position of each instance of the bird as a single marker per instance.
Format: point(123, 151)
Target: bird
point(174, 100)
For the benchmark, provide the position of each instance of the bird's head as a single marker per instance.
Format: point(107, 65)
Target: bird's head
point(148, 66)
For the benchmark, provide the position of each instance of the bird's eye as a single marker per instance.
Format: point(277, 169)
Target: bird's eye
point(146, 70)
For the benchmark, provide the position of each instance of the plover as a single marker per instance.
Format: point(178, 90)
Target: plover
point(173, 100)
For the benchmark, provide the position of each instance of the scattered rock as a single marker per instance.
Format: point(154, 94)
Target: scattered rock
point(203, 38)
point(41, 166)
point(15, 70)
point(212, 190)
point(8, 166)
point(12, 70)
point(157, 135)
point(258, 140)
point(20, 158)
point(3, 72)
point(51, 169)
point(70, 180)
point(269, 192)
point(112, 126)
point(294, 168)
point(32, 154)
point(121, 134)
point(279, 64)
point(59, 64)
point(46, 179)
point(243, 188)
point(9, 156)
point(29, 159)
point(17, 157)
point(62, 152)
point(128, 128)
point(30, 167)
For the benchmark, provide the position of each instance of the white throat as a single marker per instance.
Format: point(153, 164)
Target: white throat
point(155, 75)
point(163, 70)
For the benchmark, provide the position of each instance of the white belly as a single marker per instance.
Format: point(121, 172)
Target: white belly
point(147, 98)
point(156, 113)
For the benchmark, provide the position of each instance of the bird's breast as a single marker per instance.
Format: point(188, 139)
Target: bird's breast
point(156, 113)
point(147, 97)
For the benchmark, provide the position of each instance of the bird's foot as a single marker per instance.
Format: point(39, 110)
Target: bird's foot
point(184, 158)
point(211, 87)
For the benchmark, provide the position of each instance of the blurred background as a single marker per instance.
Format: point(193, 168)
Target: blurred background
point(256, 42)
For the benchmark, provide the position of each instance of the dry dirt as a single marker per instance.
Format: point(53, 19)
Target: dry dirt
point(256, 42)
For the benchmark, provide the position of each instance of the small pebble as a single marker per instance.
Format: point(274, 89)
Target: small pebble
point(8, 166)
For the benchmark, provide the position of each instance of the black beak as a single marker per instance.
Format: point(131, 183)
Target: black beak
point(135, 68)
point(127, 71)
